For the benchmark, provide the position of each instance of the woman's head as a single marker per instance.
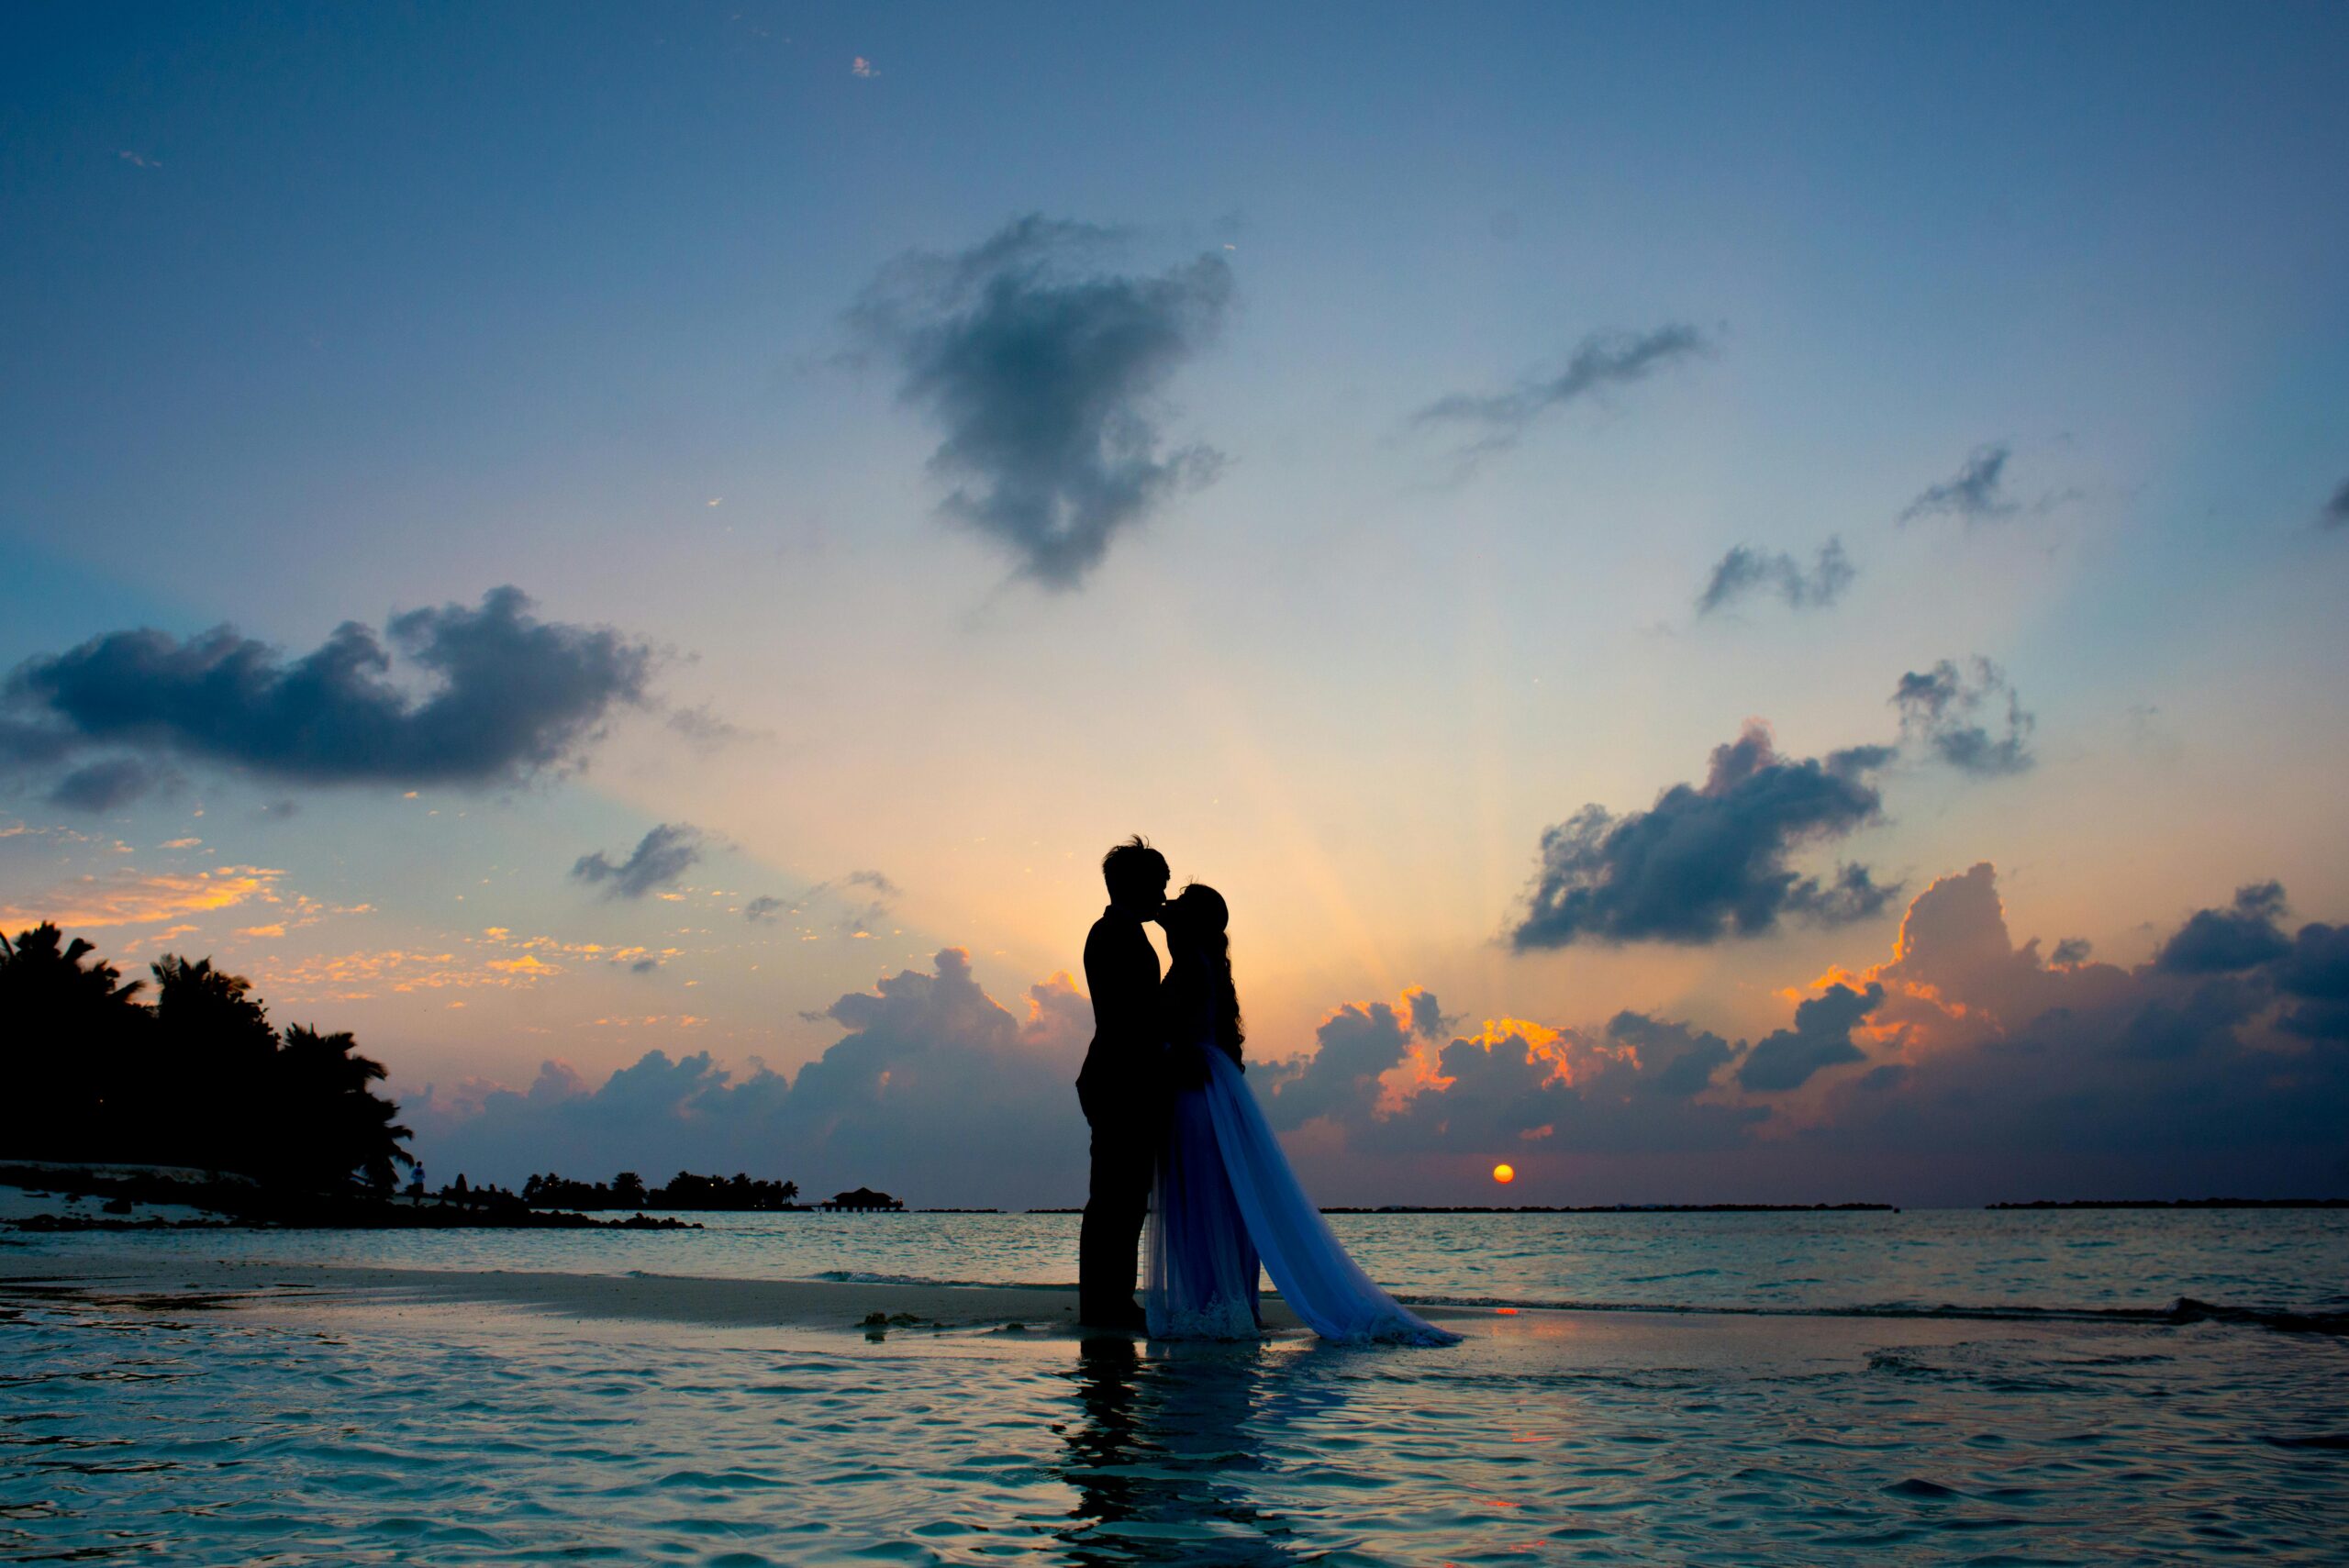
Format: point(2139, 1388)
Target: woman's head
point(1198, 914)
point(1194, 922)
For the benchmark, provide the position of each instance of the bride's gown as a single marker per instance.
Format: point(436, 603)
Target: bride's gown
point(1224, 1198)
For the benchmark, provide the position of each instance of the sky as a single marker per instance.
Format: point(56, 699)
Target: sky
point(1744, 602)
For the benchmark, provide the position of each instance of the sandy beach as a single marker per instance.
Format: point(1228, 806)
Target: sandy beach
point(129, 1276)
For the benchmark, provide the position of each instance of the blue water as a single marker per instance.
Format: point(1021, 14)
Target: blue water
point(304, 1431)
point(2086, 1259)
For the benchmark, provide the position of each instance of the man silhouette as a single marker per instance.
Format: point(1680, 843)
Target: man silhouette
point(1118, 1087)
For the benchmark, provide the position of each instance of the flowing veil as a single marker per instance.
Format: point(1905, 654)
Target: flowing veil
point(1224, 1173)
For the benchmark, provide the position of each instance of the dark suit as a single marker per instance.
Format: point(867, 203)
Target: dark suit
point(1119, 1089)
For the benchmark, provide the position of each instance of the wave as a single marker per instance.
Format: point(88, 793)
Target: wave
point(2185, 1312)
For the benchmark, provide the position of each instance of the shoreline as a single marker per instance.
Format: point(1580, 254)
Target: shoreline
point(904, 1309)
point(709, 1302)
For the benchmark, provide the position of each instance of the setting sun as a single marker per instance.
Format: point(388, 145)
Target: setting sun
point(1504, 1174)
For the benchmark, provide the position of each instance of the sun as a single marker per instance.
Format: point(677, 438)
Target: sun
point(1504, 1174)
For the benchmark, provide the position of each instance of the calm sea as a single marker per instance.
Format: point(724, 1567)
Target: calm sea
point(1928, 1387)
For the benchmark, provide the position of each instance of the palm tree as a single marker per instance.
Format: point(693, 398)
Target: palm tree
point(71, 1031)
point(336, 1123)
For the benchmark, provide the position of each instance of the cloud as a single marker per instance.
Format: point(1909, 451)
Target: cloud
point(1357, 1046)
point(110, 782)
point(2072, 951)
point(1044, 371)
point(125, 897)
point(933, 1091)
point(1599, 362)
point(1745, 571)
point(508, 697)
point(1821, 1037)
point(862, 67)
point(1937, 709)
point(1964, 1067)
point(1375, 1082)
point(659, 858)
point(2223, 941)
point(2315, 974)
point(1977, 495)
point(765, 906)
point(2335, 511)
point(1708, 862)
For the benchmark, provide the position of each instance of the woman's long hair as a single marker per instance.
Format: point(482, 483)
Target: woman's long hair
point(1204, 917)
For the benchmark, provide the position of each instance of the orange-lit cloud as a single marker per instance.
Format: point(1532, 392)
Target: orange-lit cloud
point(131, 898)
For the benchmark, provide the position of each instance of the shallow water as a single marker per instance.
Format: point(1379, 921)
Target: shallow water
point(303, 1431)
point(2075, 1260)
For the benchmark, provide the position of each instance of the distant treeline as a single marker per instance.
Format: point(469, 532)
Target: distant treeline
point(683, 1191)
point(2181, 1202)
point(201, 1078)
point(1628, 1209)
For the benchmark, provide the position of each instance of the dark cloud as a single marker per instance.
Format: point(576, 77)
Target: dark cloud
point(2223, 941)
point(2197, 1061)
point(1677, 1061)
point(2072, 951)
point(1044, 370)
point(2335, 512)
point(1745, 571)
point(659, 858)
point(1964, 1068)
point(1821, 1037)
point(2315, 974)
point(1510, 1085)
point(874, 880)
point(933, 1091)
point(110, 782)
point(1353, 1047)
point(1977, 495)
point(1708, 862)
point(765, 906)
point(1602, 360)
point(510, 695)
point(1939, 710)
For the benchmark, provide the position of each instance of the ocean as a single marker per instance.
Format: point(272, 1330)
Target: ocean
point(1928, 1387)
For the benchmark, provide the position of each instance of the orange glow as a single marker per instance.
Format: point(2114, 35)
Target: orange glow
point(1504, 1174)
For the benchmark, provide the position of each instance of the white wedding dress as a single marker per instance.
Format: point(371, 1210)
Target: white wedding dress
point(1225, 1198)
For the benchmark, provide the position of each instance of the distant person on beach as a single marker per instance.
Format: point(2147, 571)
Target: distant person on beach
point(1120, 1086)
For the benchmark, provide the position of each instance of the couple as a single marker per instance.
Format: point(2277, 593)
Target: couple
point(1177, 1136)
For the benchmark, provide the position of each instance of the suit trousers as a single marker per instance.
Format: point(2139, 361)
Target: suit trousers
point(1125, 1153)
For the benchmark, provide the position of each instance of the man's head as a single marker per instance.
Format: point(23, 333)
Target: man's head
point(1137, 876)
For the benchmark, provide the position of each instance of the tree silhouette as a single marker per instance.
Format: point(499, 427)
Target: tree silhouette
point(65, 1022)
point(200, 1078)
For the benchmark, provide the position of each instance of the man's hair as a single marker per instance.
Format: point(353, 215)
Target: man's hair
point(1134, 866)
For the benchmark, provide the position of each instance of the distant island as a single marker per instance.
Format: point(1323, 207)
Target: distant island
point(737, 1193)
point(1593, 1208)
point(2180, 1203)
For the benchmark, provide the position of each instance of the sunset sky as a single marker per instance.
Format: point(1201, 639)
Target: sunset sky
point(1574, 519)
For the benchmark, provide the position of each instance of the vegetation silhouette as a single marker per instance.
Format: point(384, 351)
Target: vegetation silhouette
point(683, 1191)
point(201, 1078)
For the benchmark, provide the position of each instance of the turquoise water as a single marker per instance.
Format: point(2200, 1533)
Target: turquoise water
point(300, 1432)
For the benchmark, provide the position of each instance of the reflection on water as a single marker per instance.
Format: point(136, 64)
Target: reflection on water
point(1160, 1454)
point(302, 1432)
